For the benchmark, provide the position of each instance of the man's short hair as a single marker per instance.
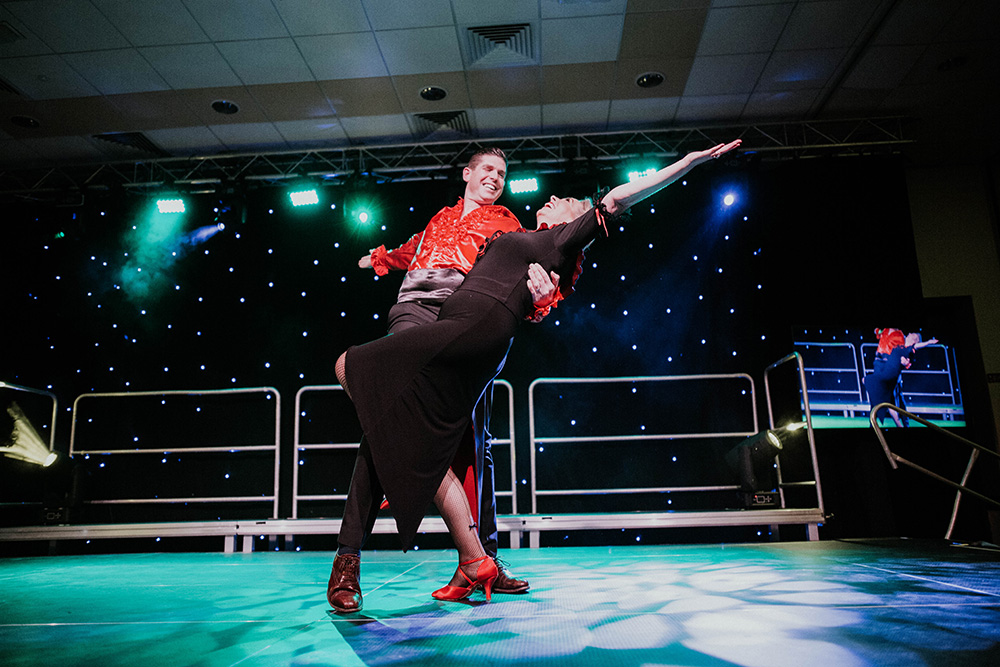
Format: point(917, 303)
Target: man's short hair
point(483, 152)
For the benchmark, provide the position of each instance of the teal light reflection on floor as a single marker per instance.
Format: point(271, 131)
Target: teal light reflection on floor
point(820, 603)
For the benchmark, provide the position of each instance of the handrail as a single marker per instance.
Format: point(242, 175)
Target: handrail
point(535, 439)
point(960, 486)
point(809, 426)
point(298, 446)
point(275, 447)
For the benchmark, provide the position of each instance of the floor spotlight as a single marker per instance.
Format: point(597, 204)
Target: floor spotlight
point(24, 443)
point(753, 461)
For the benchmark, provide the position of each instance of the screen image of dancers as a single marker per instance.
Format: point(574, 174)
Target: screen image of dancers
point(893, 355)
point(414, 391)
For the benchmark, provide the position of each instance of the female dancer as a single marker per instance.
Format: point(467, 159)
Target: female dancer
point(891, 357)
point(414, 390)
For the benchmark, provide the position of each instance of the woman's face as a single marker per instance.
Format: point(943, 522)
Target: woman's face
point(558, 210)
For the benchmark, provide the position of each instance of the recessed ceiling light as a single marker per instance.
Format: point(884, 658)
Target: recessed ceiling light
point(433, 93)
point(225, 107)
point(24, 121)
point(649, 80)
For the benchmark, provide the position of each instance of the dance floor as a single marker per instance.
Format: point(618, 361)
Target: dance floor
point(898, 602)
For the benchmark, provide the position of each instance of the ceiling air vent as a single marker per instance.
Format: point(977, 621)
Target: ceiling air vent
point(499, 45)
point(136, 140)
point(444, 122)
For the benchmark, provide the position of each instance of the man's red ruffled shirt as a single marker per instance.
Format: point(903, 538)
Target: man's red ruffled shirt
point(448, 242)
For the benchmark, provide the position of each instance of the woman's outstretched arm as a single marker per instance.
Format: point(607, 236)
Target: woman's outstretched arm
point(628, 194)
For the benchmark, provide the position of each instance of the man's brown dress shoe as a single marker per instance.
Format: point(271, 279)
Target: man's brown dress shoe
point(344, 590)
point(506, 583)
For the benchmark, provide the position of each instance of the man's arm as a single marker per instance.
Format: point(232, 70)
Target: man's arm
point(383, 260)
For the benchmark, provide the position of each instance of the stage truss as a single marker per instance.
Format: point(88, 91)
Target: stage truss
point(442, 160)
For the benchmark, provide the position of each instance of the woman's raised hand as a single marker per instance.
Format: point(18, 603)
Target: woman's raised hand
point(697, 157)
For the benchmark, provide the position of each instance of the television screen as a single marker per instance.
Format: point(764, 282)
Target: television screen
point(847, 374)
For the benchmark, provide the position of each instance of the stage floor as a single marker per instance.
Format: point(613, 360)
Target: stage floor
point(896, 602)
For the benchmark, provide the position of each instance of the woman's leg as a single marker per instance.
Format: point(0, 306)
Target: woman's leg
point(341, 371)
point(453, 505)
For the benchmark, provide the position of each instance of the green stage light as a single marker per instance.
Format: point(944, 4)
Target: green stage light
point(522, 185)
point(170, 205)
point(636, 175)
point(304, 197)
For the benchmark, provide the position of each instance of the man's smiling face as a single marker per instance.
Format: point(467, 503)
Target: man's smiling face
point(485, 179)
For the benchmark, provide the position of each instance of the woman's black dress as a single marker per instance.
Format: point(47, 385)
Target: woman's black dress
point(881, 383)
point(415, 390)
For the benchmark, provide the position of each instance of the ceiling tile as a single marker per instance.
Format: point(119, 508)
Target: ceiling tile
point(852, 102)
point(725, 75)
point(266, 61)
point(116, 72)
point(743, 29)
point(347, 56)
point(397, 14)
point(325, 131)
point(577, 83)
point(420, 50)
point(144, 110)
point(292, 101)
point(360, 97)
point(153, 23)
point(786, 105)
point(200, 100)
point(509, 121)
point(377, 129)
point(794, 70)
point(975, 20)
point(511, 86)
point(663, 5)
point(408, 89)
point(174, 64)
point(915, 22)
point(86, 115)
point(322, 17)
point(829, 24)
point(966, 62)
point(883, 66)
point(671, 34)
point(225, 20)
point(64, 149)
point(249, 136)
point(478, 13)
point(16, 153)
point(552, 9)
point(581, 40)
point(68, 25)
point(579, 116)
point(186, 141)
point(45, 77)
point(650, 112)
point(675, 73)
point(702, 108)
point(31, 45)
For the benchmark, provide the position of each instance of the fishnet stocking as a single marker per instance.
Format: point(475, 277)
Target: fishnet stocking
point(453, 505)
point(342, 373)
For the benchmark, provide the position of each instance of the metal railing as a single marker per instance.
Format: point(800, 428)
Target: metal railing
point(299, 446)
point(782, 485)
point(180, 448)
point(536, 439)
point(960, 487)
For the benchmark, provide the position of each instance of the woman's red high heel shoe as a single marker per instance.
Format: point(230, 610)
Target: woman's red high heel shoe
point(485, 576)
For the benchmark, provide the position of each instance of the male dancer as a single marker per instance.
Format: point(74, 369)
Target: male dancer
point(436, 261)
